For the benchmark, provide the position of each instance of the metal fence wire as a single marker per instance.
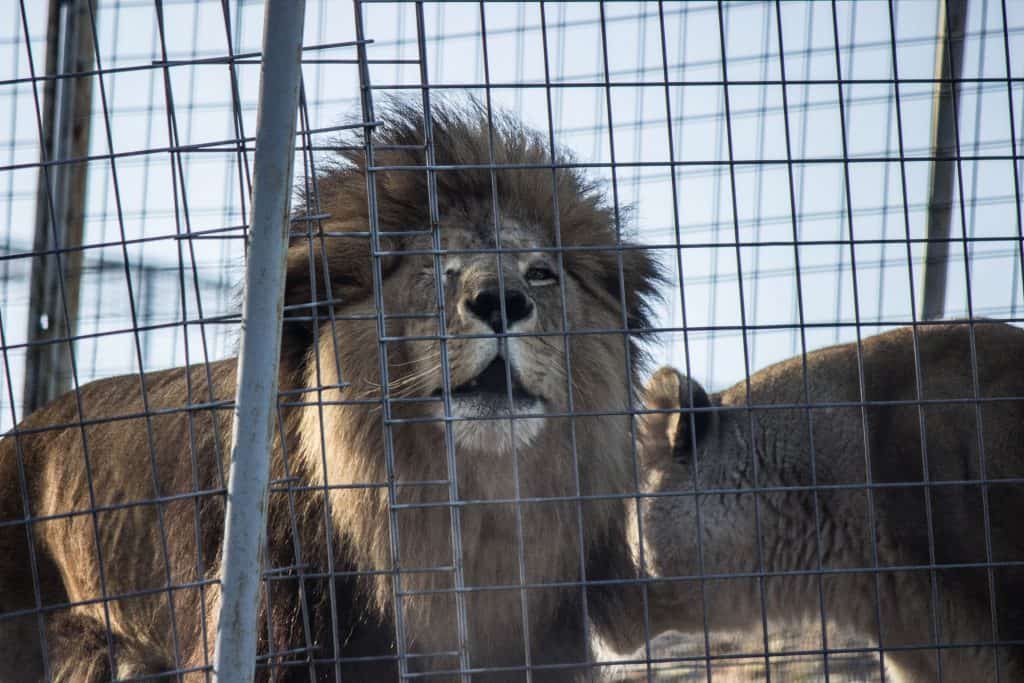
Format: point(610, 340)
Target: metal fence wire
point(659, 341)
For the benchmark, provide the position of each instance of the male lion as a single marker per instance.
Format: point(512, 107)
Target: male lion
point(124, 478)
point(818, 514)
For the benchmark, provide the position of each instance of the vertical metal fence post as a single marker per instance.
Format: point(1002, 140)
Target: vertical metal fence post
point(259, 355)
point(948, 67)
point(60, 204)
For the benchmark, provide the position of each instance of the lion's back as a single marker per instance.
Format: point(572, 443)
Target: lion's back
point(928, 433)
point(92, 463)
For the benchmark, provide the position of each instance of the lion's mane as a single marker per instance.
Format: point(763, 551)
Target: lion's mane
point(355, 480)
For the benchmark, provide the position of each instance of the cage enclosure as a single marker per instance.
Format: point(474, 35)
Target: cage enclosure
point(477, 230)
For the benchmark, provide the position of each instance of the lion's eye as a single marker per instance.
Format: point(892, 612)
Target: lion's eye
point(449, 272)
point(541, 275)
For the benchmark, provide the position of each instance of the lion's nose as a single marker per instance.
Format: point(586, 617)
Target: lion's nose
point(486, 305)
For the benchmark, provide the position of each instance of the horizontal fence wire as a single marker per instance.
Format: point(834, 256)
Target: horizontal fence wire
point(775, 161)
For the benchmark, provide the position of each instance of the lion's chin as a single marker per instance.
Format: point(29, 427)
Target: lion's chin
point(493, 412)
point(486, 425)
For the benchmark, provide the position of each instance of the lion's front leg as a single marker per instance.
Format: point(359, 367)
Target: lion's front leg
point(79, 651)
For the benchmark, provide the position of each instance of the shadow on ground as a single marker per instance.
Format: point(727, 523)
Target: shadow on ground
point(739, 658)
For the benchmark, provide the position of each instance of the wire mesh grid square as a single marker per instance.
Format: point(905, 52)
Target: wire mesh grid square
point(783, 164)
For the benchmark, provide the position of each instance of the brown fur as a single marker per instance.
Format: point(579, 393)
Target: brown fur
point(89, 463)
point(682, 453)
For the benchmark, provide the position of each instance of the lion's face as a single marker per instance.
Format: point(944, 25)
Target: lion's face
point(508, 327)
point(504, 354)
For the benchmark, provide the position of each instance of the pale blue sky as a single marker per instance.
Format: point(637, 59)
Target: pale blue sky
point(128, 37)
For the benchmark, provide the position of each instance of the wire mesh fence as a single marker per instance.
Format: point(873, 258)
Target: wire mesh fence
point(506, 216)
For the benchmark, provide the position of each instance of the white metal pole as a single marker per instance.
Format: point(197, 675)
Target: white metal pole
point(949, 64)
point(259, 355)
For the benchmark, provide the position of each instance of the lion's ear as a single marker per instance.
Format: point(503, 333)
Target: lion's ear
point(677, 431)
point(343, 260)
point(641, 277)
point(626, 275)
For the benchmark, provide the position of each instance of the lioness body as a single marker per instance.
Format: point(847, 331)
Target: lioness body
point(865, 410)
point(115, 471)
